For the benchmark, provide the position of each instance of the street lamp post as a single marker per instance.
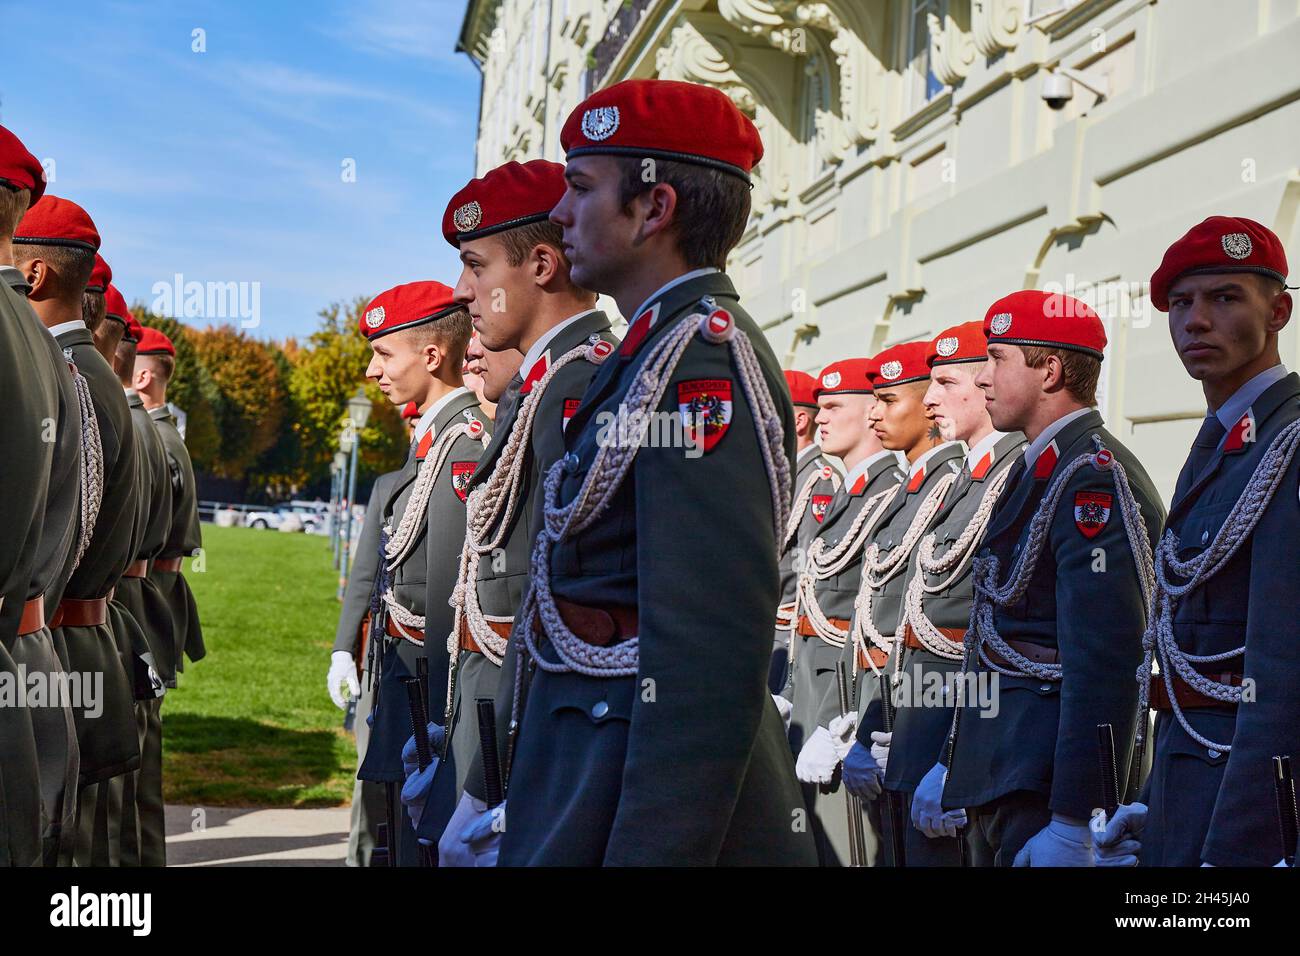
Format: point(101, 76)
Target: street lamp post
point(336, 472)
point(358, 415)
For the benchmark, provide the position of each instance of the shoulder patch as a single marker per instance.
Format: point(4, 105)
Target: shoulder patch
point(1091, 512)
point(705, 407)
point(819, 505)
point(461, 473)
point(570, 406)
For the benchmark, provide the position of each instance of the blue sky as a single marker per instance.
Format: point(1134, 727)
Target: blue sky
point(226, 165)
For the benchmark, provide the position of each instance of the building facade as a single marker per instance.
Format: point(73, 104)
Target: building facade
point(915, 169)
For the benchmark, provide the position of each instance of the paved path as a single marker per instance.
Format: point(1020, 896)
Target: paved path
point(245, 836)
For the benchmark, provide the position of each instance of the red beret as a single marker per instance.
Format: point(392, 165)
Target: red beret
point(515, 194)
point(1048, 319)
point(134, 330)
point(846, 377)
point(100, 276)
point(19, 169)
point(900, 364)
point(406, 306)
point(115, 306)
point(153, 342)
point(1220, 244)
point(961, 343)
point(664, 118)
point(410, 410)
point(57, 222)
point(802, 386)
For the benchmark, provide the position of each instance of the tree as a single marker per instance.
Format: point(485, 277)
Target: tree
point(191, 389)
point(250, 409)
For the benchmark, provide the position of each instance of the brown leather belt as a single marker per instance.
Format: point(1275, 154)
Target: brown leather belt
point(954, 635)
point(167, 564)
point(599, 626)
point(467, 643)
point(412, 634)
point(33, 618)
point(72, 612)
point(137, 569)
point(1038, 653)
point(874, 655)
point(1188, 697)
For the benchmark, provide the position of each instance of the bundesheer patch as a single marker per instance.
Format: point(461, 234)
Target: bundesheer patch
point(600, 123)
point(1000, 324)
point(461, 473)
point(467, 217)
point(705, 407)
point(891, 370)
point(1091, 512)
point(946, 346)
point(1237, 245)
point(819, 505)
point(570, 406)
point(375, 317)
point(831, 380)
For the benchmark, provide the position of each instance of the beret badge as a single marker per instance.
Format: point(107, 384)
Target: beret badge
point(375, 317)
point(1237, 245)
point(946, 346)
point(891, 370)
point(600, 123)
point(831, 379)
point(467, 217)
point(1001, 323)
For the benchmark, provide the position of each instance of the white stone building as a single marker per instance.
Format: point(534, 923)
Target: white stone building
point(914, 171)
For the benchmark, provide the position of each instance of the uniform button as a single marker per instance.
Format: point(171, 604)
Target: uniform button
point(599, 709)
point(1205, 536)
point(1213, 754)
point(571, 463)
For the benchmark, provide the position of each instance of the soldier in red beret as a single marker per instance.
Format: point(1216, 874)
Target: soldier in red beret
point(94, 310)
point(38, 512)
point(1061, 584)
point(1226, 697)
point(629, 688)
point(55, 247)
point(418, 333)
point(827, 584)
point(816, 479)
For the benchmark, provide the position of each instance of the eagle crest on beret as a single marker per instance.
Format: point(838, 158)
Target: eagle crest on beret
point(1237, 245)
point(467, 217)
point(600, 123)
point(946, 346)
point(831, 379)
point(375, 317)
point(1001, 323)
point(891, 370)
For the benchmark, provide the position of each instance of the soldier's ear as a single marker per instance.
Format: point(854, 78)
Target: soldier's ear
point(1281, 312)
point(658, 206)
point(36, 273)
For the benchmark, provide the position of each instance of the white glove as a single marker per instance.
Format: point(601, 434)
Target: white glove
point(785, 709)
point(473, 834)
point(1118, 841)
point(842, 730)
point(880, 742)
point(818, 758)
point(342, 671)
point(928, 814)
point(1057, 844)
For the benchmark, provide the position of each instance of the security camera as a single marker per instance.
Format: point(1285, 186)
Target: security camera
point(1058, 90)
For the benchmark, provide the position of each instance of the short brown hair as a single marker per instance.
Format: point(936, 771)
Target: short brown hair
point(712, 206)
point(521, 240)
point(13, 206)
point(71, 264)
point(1079, 371)
point(452, 332)
point(164, 366)
point(124, 360)
point(94, 308)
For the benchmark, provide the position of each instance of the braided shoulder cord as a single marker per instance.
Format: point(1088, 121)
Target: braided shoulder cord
point(606, 475)
point(954, 560)
point(92, 463)
point(821, 563)
point(988, 593)
point(1159, 640)
point(876, 573)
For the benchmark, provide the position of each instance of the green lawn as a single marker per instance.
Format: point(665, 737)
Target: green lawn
point(251, 724)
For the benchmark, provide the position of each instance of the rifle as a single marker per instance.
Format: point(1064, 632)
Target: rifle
point(951, 747)
point(415, 699)
point(852, 805)
point(893, 800)
point(1106, 760)
point(1284, 790)
point(493, 791)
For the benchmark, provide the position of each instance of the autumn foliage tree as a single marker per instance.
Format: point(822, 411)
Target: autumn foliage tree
point(250, 409)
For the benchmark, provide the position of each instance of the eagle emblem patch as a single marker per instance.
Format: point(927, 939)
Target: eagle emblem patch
point(819, 505)
point(1237, 245)
point(570, 406)
point(705, 407)
point(831, 379)
point(461, 473)
point(1091, 512)
point(1000, 324)
point(600, 123)
point(467, 217)
point(891, 370)
point(375, 317)
point(946, 346)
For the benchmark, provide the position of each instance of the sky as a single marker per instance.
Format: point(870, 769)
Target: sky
point(231, 164)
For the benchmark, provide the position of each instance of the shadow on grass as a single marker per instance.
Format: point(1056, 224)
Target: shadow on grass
point(224, 761)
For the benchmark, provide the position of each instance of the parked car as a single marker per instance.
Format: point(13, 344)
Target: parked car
point(308, 516)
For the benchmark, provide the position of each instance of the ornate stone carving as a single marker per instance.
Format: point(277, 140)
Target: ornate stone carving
point(952, 49)
point(996, 25)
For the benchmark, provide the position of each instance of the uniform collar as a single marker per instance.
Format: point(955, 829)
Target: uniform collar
point(62, 327)
point(1048, 434)
point(1234, 409)
point(530, 368)
point(159, 413)
point(14, 278)
point(982, 450)
point(861, 468)
point(663, 289)
point(426, 420)
point(133, 398)
point(811, 451)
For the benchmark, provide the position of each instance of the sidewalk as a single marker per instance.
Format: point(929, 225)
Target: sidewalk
point(243, 836)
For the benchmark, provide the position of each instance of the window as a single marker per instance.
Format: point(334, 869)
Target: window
point(922, 84)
